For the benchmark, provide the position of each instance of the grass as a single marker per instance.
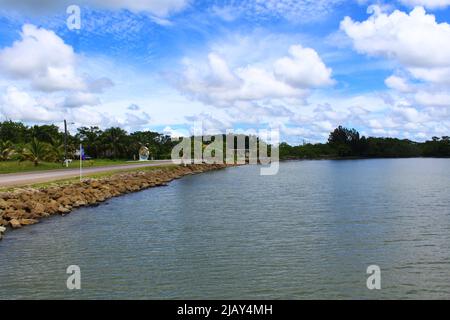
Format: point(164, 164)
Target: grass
point(99, 175)
point(28, 166)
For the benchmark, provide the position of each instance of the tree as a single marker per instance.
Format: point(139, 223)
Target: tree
point(56, 148)
point(35, 151)
point(90, 139)
point(15, 132)
point(347, 142)
point(115, 141)
point(6, 150)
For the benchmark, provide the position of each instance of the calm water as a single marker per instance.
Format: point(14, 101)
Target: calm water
point(309, 232)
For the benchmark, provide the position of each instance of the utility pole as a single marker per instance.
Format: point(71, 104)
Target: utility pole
point(65, 142)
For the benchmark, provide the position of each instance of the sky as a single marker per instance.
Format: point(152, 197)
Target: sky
point(303, 67)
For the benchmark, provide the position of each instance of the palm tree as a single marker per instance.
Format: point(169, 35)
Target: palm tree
point(115, 140)
point(57, 148)
point(6, 150)
point(35, 151)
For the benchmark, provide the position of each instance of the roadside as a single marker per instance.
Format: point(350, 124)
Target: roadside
point(22, 179)
point(12, 166)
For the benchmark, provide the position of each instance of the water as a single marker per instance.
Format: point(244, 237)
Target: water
point(309, 232)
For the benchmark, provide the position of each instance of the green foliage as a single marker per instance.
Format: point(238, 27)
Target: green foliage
point(112, 143)
point(35, 151)
point(6, 150)
point(46, 143)
point(347, 143)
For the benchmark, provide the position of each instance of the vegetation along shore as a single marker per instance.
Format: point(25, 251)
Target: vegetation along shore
point(24, 207)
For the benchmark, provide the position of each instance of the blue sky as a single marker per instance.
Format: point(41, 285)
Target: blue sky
point(302, 66)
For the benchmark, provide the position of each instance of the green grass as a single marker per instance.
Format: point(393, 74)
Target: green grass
point(27, 166)
point(99, 175)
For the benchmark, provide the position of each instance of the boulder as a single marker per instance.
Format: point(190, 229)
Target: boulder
point(3, 204)
point(62, 209)
point(27, 222)
point(15, 224)
point(38, 208)
point(95, 184)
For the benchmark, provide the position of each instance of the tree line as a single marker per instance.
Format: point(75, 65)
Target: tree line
point(348, 143)
point(46, 143)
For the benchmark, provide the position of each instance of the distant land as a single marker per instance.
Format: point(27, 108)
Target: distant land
point(43, 144)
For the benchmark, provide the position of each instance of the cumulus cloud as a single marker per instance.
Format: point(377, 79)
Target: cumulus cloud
point(19, 105)
point(43, 85)
point(418, 43)
point(43, 58)
point(303, 68)
point(216, 83)
point(403, 37)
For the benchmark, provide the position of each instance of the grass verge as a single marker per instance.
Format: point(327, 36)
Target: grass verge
point(100, 175)
point(28, 166)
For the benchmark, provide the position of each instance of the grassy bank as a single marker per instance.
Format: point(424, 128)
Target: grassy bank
point(28, 166)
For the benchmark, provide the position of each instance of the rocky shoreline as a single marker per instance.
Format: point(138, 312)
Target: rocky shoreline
point(27, 206)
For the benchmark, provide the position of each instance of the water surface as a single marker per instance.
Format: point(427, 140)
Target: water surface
point(309, 232)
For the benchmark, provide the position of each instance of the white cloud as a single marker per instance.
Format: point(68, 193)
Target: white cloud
point(431, 4)
point(79, 99)
point(303, 68)
point(19, 105)
point(415, 39)
point(175, 133)
point(397, 83)
point(435, 99)
point(42, 85)
point(420, 45)
point(136, 120)
point(216, 83)
point(43, 58)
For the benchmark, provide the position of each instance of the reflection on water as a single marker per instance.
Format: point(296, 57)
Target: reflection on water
point(309, 232)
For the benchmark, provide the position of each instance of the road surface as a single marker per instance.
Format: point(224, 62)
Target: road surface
point(21, 179)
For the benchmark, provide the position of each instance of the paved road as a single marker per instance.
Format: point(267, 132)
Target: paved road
point(20, 179)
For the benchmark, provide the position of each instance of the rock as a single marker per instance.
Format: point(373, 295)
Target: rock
point(62, 209)
point(15, 224)
point(27, 222)
point(2, 229)
point(3, 204)
point(95, 184)
point(38, 208)
point(79, 203)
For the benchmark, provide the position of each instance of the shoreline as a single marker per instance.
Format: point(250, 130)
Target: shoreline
point(27, 206)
